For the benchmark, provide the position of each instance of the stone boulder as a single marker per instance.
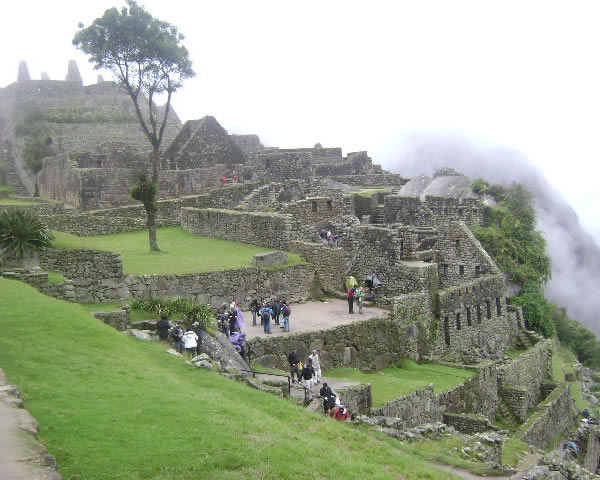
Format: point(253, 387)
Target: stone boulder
point(270, 258)
point(219, 348)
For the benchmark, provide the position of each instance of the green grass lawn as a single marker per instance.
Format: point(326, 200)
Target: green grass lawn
point(182, 252)
point(55, 277)
point(13, 201)
point(369, 192)
point(113, 407)
point(397, 381)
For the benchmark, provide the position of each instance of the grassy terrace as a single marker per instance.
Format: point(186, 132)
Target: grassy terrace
point(183, 252)
point(113, 407)
point(397, 381)
point(14, 201)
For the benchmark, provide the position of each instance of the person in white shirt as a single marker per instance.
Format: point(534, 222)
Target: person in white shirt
point(190, 342)
point(316, 363)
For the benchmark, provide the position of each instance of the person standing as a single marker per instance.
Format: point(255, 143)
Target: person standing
point(286, 311)
point(350, 295)
point(328, 398)
point(316, 364)
point(177, 334)
point(276, 309)
point(198, 331)
point(293, 360)
point(360, 297)
point(308, 373)
point(254, 310)
point(190, 342)
point(265, 317)
point(162, 327)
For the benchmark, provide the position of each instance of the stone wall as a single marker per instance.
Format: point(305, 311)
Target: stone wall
point(118, 319)
point(371, 179)
point(85, 225)
point(292, 283)
point(473, 321)
point(357, 398)
point(97, 276)
point(223, 197)
point(368, 345)
point(520, 380)
point(554, 416)
point(468, 423)
point(330, 263)
point(461, 256)
point(476, 396)
point(315, 212)
point(272, 230)
point(61, 290)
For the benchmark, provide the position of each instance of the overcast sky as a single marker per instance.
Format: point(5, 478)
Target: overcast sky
point(363, 76)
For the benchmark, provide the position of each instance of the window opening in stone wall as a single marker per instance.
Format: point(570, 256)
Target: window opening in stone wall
point(460, 212)
point(457, 243)
point(474, 211)
point(445, 268)
point(477, 270)
point(469, 322)
point(498, 306)
point(478, 313)
point(446, 331)
point(445, 211)
point(401, 248)
point(329, 205)
point(488, 309)
point(314, 206)
point(458, 325)
point(461, 270)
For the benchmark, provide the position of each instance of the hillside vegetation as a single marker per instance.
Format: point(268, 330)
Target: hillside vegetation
point(112, 407)
point(510, 237)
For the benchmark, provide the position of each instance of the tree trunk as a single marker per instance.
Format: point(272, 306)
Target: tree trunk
point(152, 208)
point(151, 213)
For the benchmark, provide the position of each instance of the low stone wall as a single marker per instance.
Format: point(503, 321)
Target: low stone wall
point(555, 416)
point(266, 229)
point(415, 409)
point(476, 396)
point(85, 225)
point(371, 179)
point(118, 319)
point(97, 276)
point(168, 213)
point(214, 288)
point(468, 423)
point(521, 379)
point(357, 398)
point(62, 290)
point(368, 345)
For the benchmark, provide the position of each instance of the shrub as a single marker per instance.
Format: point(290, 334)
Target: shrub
point(22, 232)
point(192, 310)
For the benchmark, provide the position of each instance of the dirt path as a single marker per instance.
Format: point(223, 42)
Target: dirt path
point(22, 457)
point(312, 316)
point(465, 474)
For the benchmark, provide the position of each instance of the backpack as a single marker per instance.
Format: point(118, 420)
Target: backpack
point(286, 310)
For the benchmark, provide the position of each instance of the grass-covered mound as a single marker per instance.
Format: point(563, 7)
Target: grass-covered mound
point(112, 407)
point(406, 378)
point(183, 252)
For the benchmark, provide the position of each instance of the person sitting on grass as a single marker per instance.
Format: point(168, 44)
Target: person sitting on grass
point(341, 413)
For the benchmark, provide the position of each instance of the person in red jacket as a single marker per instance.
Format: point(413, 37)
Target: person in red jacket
point(341, 413)
point(351, 295)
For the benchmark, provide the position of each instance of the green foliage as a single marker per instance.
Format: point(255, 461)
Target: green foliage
point(22, 233)
point(144, 190)
point(582, 341)
point(192, 310)
point(518, 248)
point(537, 310)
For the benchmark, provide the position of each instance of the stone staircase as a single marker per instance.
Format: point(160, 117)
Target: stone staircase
point(12, 176)
point(527, 338)
point(378, 216)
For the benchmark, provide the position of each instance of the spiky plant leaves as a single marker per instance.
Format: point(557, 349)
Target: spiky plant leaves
point(22, 233)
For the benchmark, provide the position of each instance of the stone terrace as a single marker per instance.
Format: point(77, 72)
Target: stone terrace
point(311, 316)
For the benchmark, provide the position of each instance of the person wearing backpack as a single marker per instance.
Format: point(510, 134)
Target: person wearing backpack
point(286, 312)
point(351, 294)
point(162, 327)
point(360, 298)
point(265, 316)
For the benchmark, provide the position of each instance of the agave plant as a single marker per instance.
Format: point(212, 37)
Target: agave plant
point(22, 233)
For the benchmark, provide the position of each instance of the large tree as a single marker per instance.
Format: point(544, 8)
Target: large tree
point(146, 56)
